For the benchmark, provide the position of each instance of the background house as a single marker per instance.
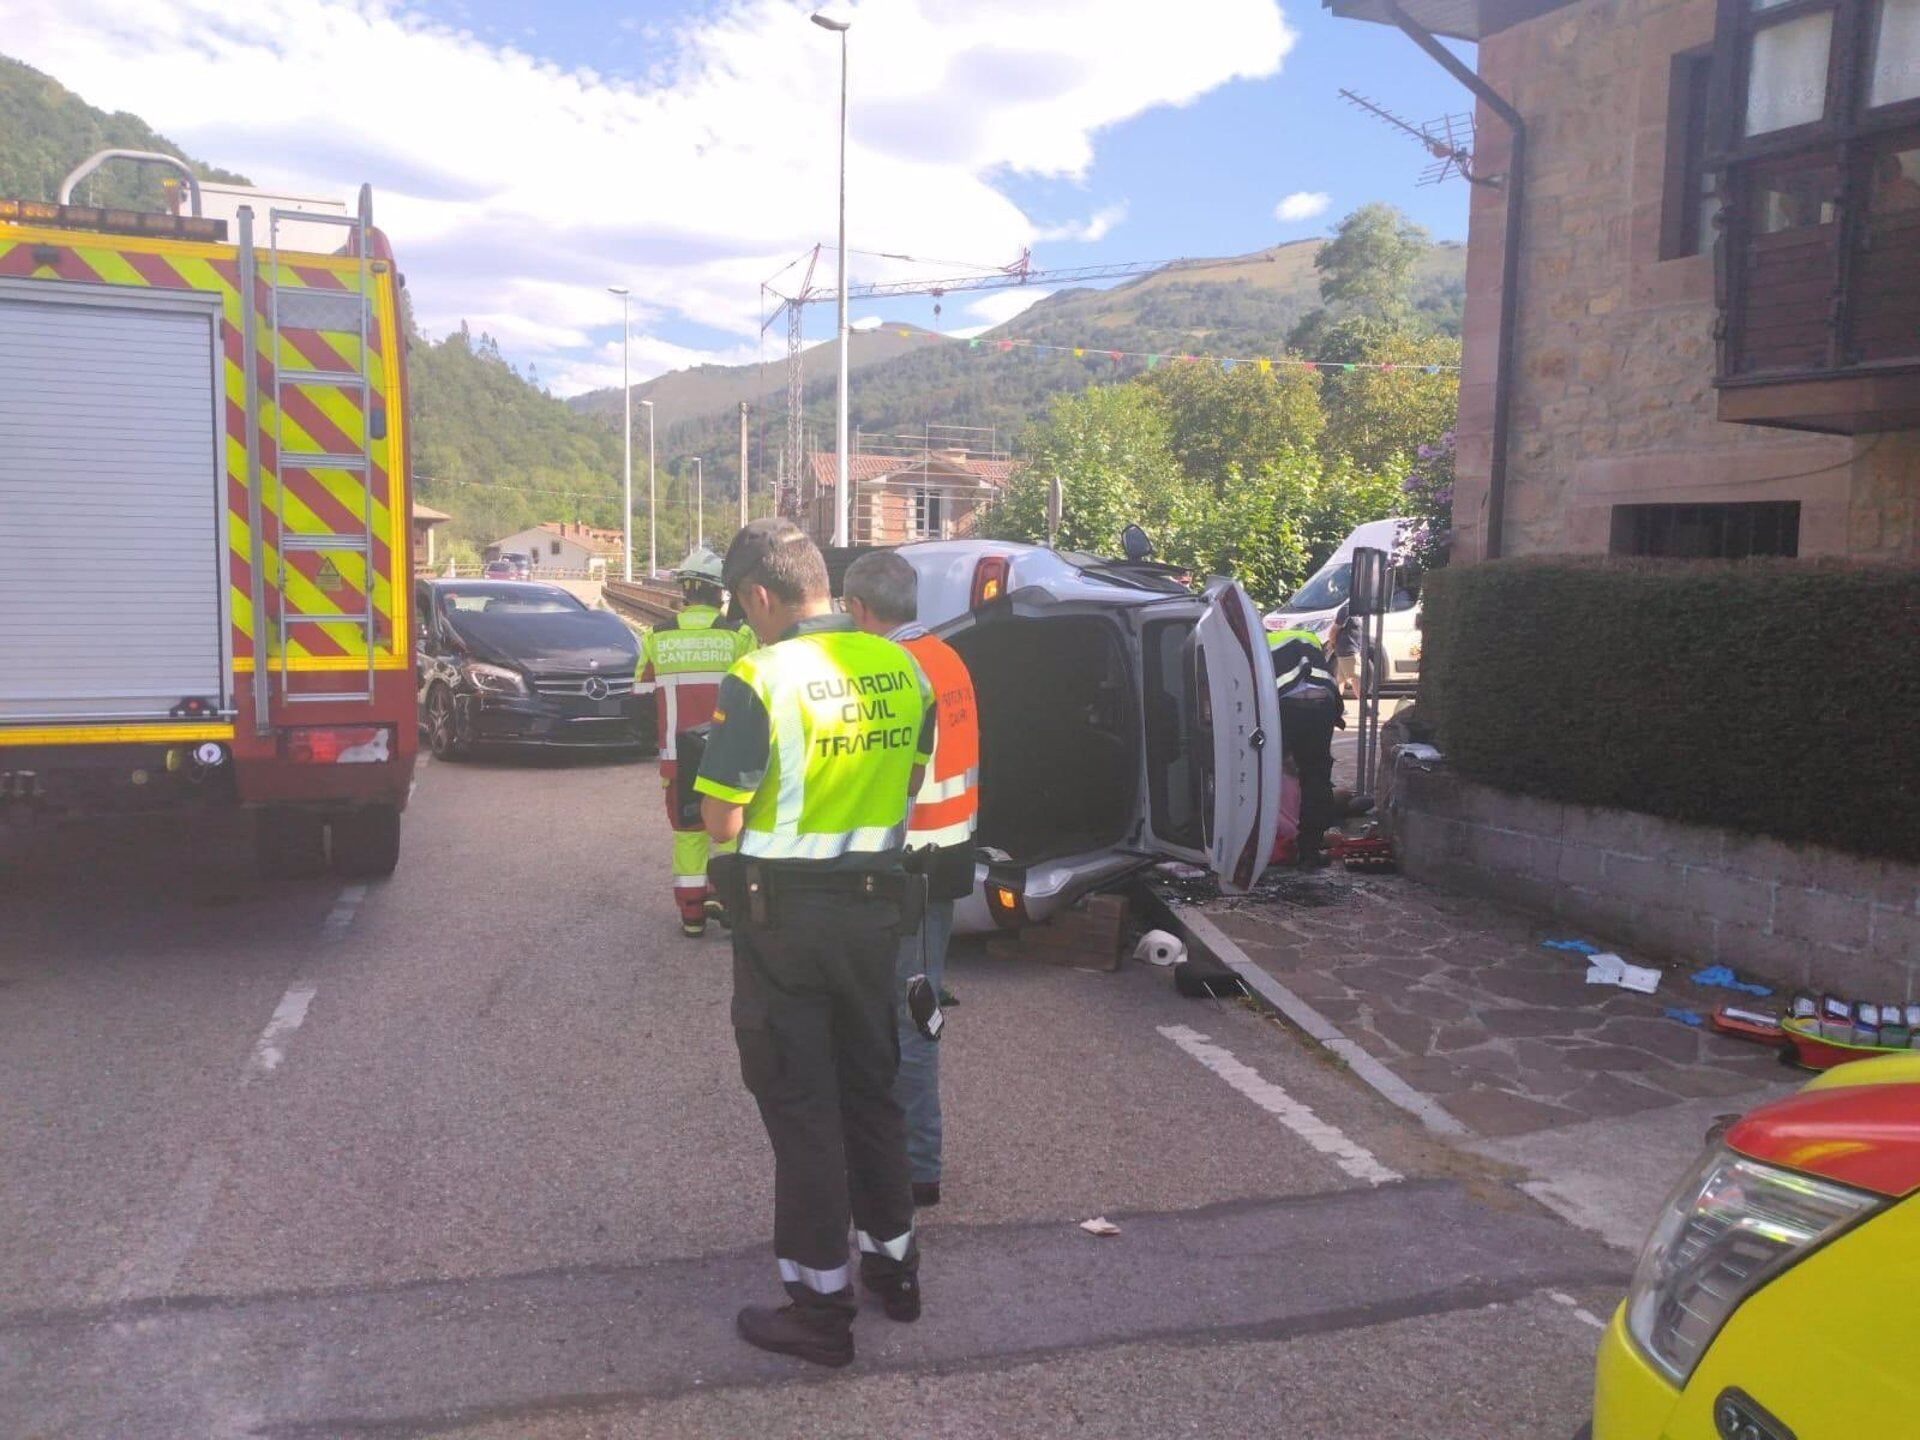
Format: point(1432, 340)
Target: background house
point(426, 520)
point(1717, 348)
point(928, 486)
point(563, 546)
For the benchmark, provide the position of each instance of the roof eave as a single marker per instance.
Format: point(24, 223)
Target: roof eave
point(1468, 20)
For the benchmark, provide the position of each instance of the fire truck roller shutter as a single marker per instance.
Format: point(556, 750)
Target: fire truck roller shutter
point(113, 573)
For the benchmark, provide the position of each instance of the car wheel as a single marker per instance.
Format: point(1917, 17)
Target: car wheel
point(443, 734)
point(289, 844)
point(366, 842)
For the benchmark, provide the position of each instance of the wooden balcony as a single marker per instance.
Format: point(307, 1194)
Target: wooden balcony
point(1820, 292)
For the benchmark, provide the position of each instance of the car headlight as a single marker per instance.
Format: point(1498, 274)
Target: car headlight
point(1731, 1226)
point(496, 679)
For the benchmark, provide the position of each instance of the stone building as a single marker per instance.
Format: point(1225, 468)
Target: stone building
point(1716, 344)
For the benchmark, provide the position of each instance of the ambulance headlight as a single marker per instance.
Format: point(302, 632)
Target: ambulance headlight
point(1731, 1226)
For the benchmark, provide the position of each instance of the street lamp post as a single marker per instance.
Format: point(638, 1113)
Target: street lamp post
point(653, 513)
point(841, 499)
point(626, 430)
point(699, 502)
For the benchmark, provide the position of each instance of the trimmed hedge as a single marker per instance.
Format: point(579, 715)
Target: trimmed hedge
point(1777, 697)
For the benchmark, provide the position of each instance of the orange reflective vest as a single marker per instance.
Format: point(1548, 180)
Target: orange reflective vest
point(948, 805)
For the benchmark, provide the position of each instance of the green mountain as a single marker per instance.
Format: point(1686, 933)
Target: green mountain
point(1241, 306)
point(46, 129)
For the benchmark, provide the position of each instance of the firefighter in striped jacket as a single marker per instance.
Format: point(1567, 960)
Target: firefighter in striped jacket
point(681, 664)
point(882, 598)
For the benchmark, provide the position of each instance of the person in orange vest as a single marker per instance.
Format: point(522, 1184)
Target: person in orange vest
point(882, 598)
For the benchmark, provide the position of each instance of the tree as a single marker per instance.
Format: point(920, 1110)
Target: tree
point(1221, 421)
point(1367, 268)
point(1109, 448)
point(1377, 417)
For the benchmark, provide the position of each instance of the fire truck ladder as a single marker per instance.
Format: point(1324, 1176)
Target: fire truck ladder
point(300, 307)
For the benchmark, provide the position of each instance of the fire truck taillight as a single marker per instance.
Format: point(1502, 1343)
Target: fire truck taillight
point(337, 744)
point(117, 222)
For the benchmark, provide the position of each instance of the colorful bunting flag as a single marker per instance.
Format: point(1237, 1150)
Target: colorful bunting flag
point(1266, 365)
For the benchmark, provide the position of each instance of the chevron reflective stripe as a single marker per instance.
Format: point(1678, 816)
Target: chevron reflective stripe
point(821, 1282)
point(894, 1249)
point(960, 832)
point(933, 791)
point(322, 419)
point(823, 846)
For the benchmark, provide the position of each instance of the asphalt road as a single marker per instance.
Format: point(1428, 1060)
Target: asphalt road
point(466, 1153)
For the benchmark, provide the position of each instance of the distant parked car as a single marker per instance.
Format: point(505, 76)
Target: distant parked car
point(507, 663)
point(1123, 720)
point(510, 566)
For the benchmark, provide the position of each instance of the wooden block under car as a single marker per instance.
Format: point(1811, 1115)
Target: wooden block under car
point(1086, 937)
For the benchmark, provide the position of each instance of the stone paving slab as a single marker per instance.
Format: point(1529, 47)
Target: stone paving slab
point(1459, 998)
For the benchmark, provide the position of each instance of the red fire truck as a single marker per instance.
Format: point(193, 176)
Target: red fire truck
point(204, 520)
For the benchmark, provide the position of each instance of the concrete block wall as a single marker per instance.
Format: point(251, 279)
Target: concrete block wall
point(1799, 916)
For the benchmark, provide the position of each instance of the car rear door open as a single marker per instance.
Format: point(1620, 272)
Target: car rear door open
point(1212, 735)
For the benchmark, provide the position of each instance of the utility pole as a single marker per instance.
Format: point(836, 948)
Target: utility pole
point(653, 510)
point(743, 466)
point(699, 501)
point(626, 430)
point(841, 500)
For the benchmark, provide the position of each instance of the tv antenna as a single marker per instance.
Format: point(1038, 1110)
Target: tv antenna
point(1449, 140)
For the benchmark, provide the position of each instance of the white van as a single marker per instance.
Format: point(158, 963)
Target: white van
point(1318, 604)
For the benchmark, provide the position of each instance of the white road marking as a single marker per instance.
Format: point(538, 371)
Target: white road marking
point(269, 1050)
point(341, 916)
point(1329, 1140)
point(158, 1264)
point(1580, 1312)
point(1365, 1067)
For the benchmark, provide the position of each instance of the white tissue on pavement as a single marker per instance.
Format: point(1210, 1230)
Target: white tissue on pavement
point(1607, 968)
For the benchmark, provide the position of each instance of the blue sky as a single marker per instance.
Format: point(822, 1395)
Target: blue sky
point(525, 156)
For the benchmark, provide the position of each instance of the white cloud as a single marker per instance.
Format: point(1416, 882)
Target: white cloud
point(515, 191)
point(1096, 226)
point(997, 307)
point(1302, 205)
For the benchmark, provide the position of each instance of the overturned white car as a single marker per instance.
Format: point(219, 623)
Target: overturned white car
point(1123, 720)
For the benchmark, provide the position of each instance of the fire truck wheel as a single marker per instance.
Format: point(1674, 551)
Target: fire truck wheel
point(289, 844)
point(366, 843)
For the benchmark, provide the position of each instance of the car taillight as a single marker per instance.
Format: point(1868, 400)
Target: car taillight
point(337, 744)
point(989, 581)
point(1005, 905)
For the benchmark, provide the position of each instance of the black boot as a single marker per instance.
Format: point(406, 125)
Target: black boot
point(819, 1333)
point(899, 1290)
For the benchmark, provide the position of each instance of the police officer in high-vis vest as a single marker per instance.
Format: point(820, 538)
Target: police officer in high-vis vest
point(819, 739)
point(882, 596)
point(682, 663)
point(1310, 711)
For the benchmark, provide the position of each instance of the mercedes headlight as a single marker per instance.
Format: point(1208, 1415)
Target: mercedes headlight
point(1732, 1225)
point(496, 679)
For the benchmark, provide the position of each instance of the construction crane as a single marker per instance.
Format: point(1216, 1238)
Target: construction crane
point(1020, 272)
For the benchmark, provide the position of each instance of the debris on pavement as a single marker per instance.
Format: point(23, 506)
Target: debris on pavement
point(1179, 870)
point(1755, 1025)
point(1157, 947)
point(1369, 851)
point(1607, 968)
point(1202, 975)
point(1685, 1017)
point(1722, 977)
point(1099, 1225)
point(1578, 947)
point(1425, 756)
